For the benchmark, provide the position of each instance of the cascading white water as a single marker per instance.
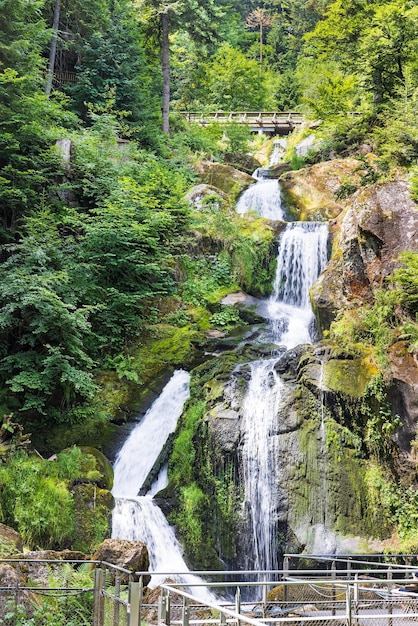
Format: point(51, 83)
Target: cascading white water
point(279, 149)
point(260, 447)
point(262, 197)
point(302, 257)
point(140, 451)
point(138, 518)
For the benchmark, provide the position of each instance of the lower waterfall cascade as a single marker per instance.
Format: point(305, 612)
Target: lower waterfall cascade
point(302, 255)
point(138, 518)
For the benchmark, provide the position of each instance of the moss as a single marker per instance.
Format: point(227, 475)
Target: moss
point(349, 376)
point(93, 507)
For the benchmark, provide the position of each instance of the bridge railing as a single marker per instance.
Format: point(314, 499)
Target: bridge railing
point(255, 118)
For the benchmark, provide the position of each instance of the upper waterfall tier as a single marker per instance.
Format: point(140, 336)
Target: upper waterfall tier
point(302, 257)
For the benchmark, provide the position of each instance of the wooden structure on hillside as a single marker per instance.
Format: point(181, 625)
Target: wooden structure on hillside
point(261, 122)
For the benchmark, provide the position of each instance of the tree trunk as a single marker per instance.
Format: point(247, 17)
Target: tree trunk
point(53, 50)
point(166, 71)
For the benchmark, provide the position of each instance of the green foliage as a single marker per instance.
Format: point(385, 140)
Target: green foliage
point(328, 92)
point(406, 278)
point(393, 506)
point(238, 136)
point(226, 317)
point(36, 502)
point(204, 279)
point(182, 458)
point(380, 424)
point(71, 609)
point(396, 136)
point(234, 81)
point(41, 330)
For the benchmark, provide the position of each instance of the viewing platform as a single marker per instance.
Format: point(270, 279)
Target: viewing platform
point(261, 122)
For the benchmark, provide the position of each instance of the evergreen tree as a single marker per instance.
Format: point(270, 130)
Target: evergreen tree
point(198, 18)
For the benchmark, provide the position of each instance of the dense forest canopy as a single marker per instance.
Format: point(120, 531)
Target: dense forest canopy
point(94, 241)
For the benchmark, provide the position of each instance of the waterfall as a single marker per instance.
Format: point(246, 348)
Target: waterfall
point(140, 451)
point(279, 149)
point(138, 518)
point(302, 257)
point(260, 448)
point(262, 197)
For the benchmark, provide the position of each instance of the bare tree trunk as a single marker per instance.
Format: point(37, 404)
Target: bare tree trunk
point(166, 71)
point(53, 50)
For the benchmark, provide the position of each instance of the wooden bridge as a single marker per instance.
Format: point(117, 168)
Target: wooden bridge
point(261, 122)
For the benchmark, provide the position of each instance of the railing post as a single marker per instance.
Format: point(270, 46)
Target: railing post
point(162, 607)
point(98, 610)
point(348, 604)
point(356, 597)
point(238, 603)
point(333, 576)
point(116, 605)
point(185, 616)
point(133, 604)
point(285, 576)
point(390, 621)
point(264, 594)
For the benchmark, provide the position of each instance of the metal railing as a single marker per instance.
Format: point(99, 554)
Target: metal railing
point(353, 591)
point(93, 590)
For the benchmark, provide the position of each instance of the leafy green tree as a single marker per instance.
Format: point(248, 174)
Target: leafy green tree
point(112, 60)
point(43, 361)
point(374, 40)
point(328, 91)
point(234, 81)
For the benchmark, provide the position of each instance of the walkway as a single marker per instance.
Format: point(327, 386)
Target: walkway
point(262, 122)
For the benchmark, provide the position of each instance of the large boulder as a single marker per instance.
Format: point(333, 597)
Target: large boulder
point(10, 541)
point(101, 471)
point(130, 555)
point(243, 162)
point(203, 193)
point(224, 177)
point(379, 223)
point(319, 191)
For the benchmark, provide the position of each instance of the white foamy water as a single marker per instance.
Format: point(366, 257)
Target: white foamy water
point(260, 449)
point(262, 197)
point(140, 451)
point(138, 518)
point(302, 257)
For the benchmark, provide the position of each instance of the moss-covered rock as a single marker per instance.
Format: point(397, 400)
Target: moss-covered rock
point(379, 222)
point(130, 555)
point(319, 191)
point(224, 177)
point(93, 513)
point(10, 541)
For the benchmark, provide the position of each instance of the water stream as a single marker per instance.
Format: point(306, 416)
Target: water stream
point(138, 518)
point(263, 197)
point(302, 256)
